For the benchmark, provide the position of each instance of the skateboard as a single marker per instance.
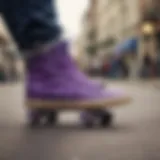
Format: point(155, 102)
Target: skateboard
point(93, 112)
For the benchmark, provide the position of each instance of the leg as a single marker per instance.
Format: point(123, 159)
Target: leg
point(102, 117)
point(32, 22)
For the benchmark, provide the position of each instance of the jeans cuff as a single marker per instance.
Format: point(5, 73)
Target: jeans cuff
point(40, 48)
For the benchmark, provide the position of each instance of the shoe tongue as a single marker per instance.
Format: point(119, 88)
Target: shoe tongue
point(61, 55)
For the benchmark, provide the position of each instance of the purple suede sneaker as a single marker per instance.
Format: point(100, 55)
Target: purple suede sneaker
point(54, 80)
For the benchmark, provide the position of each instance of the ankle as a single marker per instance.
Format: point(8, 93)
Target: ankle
point(40, 48)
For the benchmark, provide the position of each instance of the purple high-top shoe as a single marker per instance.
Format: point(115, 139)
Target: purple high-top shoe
point(53, 80)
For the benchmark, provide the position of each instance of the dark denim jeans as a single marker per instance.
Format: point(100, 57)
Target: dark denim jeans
point(31, 22)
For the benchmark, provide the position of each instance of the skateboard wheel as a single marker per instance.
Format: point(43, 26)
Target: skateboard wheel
point(34, 118)
point(42, 117)
point(87, 118)
point(106, 119)
point(51, 118)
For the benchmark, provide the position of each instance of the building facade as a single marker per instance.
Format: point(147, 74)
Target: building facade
point(86, 43)
point(118, 21)
point(108, 23)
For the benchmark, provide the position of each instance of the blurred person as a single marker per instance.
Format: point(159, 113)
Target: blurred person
point(119, 67)
point(12, 58)
point(158, 64)
point(124, 66)
point(114, 67)
point(2, 74)
point(9, 59)
point(147, 66)
point(51, 73)
point(105, 68)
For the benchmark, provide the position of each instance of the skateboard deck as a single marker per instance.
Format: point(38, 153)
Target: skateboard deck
point(94, 110)
point(77, 104)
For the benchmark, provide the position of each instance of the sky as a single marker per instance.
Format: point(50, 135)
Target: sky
point(70, 12)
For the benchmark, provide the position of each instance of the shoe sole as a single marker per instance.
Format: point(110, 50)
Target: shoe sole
point(77, 104)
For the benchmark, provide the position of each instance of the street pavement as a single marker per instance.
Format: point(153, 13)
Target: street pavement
point(133, 136)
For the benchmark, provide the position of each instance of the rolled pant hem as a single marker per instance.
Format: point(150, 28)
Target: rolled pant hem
point(40, 48)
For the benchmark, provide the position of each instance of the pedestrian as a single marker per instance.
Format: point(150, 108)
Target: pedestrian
point(2, 74)
point(147, 66)
point(124, 67)
point(50, 71)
